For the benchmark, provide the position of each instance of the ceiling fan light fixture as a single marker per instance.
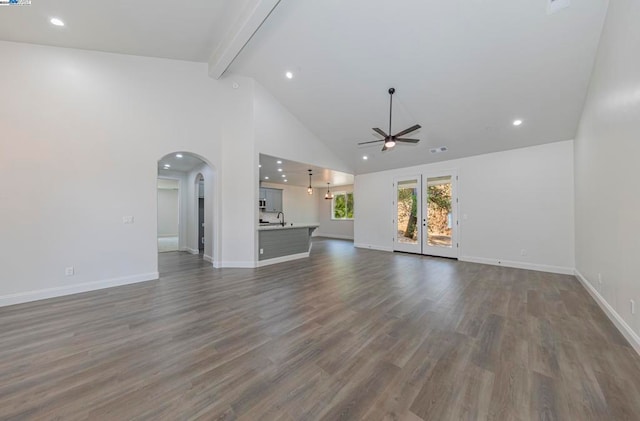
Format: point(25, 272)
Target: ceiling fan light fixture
point(390, 140)
point(328, 195)
point(310, 189)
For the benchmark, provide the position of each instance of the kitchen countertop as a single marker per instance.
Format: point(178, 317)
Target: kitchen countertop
point(288, 225)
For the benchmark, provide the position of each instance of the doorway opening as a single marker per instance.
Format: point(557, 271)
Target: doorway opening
point(201, 211)
point(168, 214)
point(185, 205)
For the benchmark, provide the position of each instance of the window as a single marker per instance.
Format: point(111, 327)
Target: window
point(342, 205)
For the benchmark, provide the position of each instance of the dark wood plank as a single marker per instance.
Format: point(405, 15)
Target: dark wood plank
point(345, 334)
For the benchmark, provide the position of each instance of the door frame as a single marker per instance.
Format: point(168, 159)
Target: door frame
point(453, 251)
point(421, 247)
point(196, 182)
point(397, 245)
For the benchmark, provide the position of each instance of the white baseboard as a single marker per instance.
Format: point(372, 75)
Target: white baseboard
point(518, 265)
point(207, 258)
point(282, 259)
point(43, 294)
point(192, 251)
point(372, 247)
point(613, 315)
point(336, 236)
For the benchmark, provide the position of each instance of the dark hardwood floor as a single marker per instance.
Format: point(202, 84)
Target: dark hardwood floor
point(346, 334)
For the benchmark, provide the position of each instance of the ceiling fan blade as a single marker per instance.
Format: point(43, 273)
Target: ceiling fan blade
point(372, 141)
point(380, 132)
point(405, 140)
point(409, 130)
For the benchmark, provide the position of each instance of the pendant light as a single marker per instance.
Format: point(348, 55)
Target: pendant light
point(329, 195)
point(310, 189)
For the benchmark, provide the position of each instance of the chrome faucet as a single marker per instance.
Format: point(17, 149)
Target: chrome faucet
point(278, 216)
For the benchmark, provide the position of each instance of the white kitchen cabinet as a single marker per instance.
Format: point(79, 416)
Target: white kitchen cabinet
point(273, 199)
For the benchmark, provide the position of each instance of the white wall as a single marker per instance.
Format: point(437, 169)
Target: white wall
point(514, 200)
point(82, 131)
point(279, 133)
point(168, 212)
point(297, 204)
point(607, 171)
point(330, 227)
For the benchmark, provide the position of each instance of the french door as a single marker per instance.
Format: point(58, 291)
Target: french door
point(426, 214)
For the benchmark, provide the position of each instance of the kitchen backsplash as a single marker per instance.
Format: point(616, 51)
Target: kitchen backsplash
point(268, 216)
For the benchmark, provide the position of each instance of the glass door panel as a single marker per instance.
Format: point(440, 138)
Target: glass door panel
point(439, 223)
point(407, 231)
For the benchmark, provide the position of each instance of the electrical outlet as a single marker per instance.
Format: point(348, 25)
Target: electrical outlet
point(261, 251)
point(70, 271)
point(633, 306)
point(127, 219)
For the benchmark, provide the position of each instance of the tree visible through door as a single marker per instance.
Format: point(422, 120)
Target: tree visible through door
point(439, 211)
point(407, 224)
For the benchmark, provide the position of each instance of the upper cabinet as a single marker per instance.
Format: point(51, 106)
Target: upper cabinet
point(272, 198)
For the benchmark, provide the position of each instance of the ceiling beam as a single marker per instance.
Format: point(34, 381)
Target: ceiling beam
point(244, 27)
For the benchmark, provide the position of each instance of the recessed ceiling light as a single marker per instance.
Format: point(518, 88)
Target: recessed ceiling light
point(279, 169)
point(286, 181)
point(56, 22)
point(289, 75)
point(283, 176)
point(266, 178)
point(178, 155)
point(259, 165)
point(278, 162)
point(365, 157)
point(167, 165)
point(517, 122)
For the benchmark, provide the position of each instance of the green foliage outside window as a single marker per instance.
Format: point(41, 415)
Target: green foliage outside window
point(342, 207)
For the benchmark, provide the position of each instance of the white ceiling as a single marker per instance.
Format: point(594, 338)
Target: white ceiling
point(297, 174)
point(185, 164)
point(463, 69)
point(183, 30)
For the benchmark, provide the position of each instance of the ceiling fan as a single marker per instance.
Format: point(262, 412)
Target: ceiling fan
point(391, 140)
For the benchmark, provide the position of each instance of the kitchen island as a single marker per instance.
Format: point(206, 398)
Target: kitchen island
point(277, 243)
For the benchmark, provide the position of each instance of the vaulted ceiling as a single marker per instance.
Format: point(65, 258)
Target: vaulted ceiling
point(157, 28)
point(463, 69)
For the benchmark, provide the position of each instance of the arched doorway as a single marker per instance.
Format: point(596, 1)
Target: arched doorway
point(194, 178)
